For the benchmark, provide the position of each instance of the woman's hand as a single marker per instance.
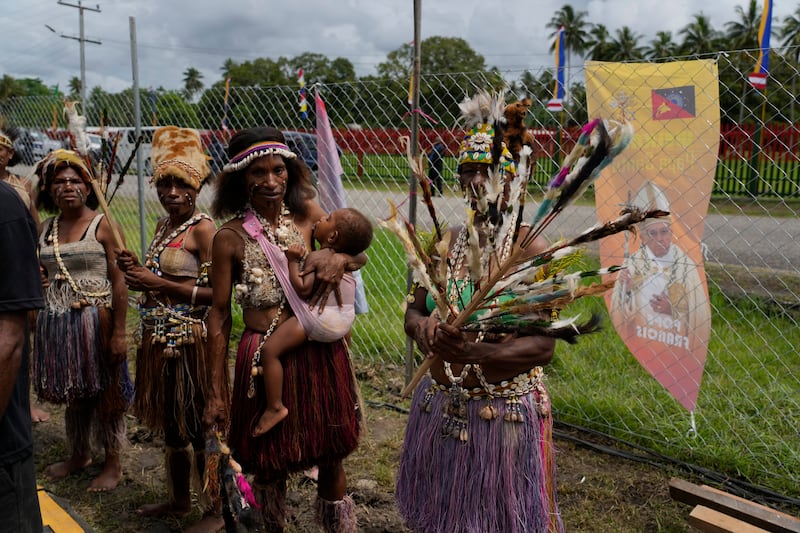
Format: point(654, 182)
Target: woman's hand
point(215, 412)
point(139, 278)
point(118, 347)
point(328, 267)
point(43, 275)
point(126, 260)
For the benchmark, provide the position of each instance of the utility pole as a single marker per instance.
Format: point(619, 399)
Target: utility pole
point(82, 39)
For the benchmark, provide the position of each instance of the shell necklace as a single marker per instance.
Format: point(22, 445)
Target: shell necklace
point(278, 233)
point(160, 242)
point(65, 275)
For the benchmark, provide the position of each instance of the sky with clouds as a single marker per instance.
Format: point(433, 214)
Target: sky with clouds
point(173, 35)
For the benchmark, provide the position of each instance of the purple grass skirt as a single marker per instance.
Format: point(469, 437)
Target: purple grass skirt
point(501, 480)
point(320, 391)
point(70, 360)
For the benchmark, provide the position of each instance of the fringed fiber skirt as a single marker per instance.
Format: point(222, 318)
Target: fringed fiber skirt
point(70, 360)
point(500, 480)
point(171, 391)
point(321, 394)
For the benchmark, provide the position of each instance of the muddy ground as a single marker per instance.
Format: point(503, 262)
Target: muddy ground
point(598, 491)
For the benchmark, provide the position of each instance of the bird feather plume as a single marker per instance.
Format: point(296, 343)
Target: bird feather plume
point(76, 125)
point(483, 108)
point(417, 260)
point(567, 329)
point(512, 291)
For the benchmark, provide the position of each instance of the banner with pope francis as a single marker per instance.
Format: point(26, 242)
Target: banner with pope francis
point(660, 305)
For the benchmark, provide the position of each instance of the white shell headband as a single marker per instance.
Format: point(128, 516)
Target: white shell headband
point(245, 157)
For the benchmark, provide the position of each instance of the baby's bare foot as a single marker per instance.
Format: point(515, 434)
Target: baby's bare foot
point(269, 419)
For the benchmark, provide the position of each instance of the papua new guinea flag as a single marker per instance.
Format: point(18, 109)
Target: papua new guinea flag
point(673, 102)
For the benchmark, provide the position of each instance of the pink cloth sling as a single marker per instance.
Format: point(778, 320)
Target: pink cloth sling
point(310, 319)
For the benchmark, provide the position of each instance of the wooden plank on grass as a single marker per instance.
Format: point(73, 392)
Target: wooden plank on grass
point(712, 521)
point(739, 508)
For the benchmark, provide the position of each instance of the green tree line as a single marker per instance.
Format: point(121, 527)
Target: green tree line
point(450, 68)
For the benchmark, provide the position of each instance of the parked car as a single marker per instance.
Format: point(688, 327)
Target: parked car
point(302, 143)
point(305, 146)
point(33, 145)
point(126, 145)
point(42, 144)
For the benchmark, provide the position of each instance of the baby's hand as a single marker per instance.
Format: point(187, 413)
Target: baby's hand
point(295, 252)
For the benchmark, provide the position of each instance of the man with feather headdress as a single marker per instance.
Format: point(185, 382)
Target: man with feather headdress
point(480, 422)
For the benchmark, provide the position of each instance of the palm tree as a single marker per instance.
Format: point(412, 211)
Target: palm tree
point(743, 34)
point(74, 88)
point(790, 39)
point(192, 82)
point(599, 43)
point(575, 34)
point(227, 67)
point(625, 46)
point(662, 47)
point(699, 36)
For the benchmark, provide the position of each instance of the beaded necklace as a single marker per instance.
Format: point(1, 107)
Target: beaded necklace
point(278, 233)
point(172, 327)
point(65, 275)
point(160, 242)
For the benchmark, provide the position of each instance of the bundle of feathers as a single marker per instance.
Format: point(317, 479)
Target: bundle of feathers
point(529, 286)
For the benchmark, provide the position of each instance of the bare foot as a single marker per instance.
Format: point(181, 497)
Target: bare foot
point(269, 419)
point(108, 478)
point(65, 468)
point(162, 509)
point(39, 415)
point(210, 523)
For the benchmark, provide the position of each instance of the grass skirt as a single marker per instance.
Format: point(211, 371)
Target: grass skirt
point(502, 479)
point(322, 397)
point(71, 360)
point(171, 391)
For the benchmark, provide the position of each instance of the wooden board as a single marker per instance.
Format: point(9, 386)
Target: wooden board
point(712, 521)
point(739, 508)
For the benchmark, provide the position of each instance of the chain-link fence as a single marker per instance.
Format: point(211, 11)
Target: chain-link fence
point(750, 400)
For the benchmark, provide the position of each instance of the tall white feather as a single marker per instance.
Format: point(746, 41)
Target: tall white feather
point(76, 125)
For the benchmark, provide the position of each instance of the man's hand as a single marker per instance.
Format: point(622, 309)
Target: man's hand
point(661, 304)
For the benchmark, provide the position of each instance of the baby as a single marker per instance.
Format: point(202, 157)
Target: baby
point(346, 231)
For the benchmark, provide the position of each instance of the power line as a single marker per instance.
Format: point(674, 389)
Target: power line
point(81, 39)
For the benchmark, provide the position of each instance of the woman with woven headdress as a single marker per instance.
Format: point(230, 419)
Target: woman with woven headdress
point(268, 190)
point(80, 348)
point(172, 378)
point(478, 454)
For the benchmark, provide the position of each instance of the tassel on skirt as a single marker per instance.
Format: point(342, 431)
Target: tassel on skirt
point(321, 395)
point(501, 480)
point(71, 360)
point(172, 390)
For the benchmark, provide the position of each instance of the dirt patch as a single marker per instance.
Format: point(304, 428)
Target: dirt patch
point(598, 492)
